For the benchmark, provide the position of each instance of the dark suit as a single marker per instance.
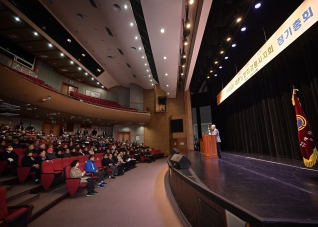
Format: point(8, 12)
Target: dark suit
point(5, 155)
point(28, 161)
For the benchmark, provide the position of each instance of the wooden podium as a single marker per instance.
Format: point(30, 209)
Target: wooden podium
point(209, 146)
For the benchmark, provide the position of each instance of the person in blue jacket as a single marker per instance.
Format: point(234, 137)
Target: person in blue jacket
point(91, 167)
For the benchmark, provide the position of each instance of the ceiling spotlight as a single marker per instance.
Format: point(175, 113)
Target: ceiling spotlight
point(17, 18)
point(97, 82)
point(136, 37)
point(125, 6)
point(150, 80)
point(162, 30)
point(99, 70)
point(72, 62)
point(165, 57)
point(216, 62)
point(166, 74)
point(102, 86)
point(139, 48)
point(62, 55)
point(191, 2)
point(238, 19)
point(50, 45)
point(187, 23)
point(149, 76)
point(228, 39)
point(143, 57)
point(152, 84)
point(145, 63)
point(208, 77)
point(233, 45)
point(211, 71)
point(243, 29)
point(83, 55)
point(168, 93)
point(35, 33)
point(167, 85)
point(215, 74)
point(183, 54)
point(92, 78)
point(147, 70)
point(185, 41)
point(181, 74)
point(79, 68)
point(226, 57)
point(183, 66)
point(221, 52)
point(131, 24)
point(86, 74)
point(220, 67)
point(69, 40)
point(258, 5)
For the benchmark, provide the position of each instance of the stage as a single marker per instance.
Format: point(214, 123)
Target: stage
point(261, 191)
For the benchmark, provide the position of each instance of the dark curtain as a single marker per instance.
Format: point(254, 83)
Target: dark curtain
point(259, 117)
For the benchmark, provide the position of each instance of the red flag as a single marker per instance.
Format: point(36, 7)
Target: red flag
point(306, 138)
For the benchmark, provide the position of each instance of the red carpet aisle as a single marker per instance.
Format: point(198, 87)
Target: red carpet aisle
point(141, 197)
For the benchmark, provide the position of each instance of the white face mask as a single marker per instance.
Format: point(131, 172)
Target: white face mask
point(10, 149)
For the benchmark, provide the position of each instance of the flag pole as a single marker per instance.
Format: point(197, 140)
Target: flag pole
point(297, 168)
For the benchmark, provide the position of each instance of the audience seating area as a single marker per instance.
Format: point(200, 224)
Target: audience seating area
point(100, 102)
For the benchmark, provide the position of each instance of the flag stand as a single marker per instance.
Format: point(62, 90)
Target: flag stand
point(297, 168)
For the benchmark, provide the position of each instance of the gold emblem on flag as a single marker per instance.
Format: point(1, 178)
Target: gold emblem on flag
point(301, 122)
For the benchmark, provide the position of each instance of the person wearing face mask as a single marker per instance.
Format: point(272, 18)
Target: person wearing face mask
point(11, 157)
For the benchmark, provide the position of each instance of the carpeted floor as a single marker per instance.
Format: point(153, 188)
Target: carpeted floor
point(141, 197)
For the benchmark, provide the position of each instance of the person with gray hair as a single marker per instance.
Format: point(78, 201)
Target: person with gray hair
point(216, 133)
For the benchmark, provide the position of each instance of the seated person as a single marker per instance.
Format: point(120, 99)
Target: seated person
point(30, 148)
point(106, 161)
point(3, 145)
point(74, 152)
point(41, 157)
point(67, 153)
point(29, 161)
point(120, 166)
point(127, 158)
point(16, 144)
point(59, 153)
point(11, 157)
point(149, 155)
point(49, 154)
point(77, 173)
point(91, 167)
point(80, 152)
point(127, 165)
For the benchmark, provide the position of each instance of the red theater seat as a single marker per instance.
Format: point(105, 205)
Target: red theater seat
point(49, 175)
point(73, 184)
point(23, 171)
point(13, 216)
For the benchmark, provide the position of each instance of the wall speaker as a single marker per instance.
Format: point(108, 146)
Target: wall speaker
point(180, 161)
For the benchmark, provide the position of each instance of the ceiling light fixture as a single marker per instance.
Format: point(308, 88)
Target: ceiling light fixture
point(228, 39)
point(152, 84)
point(62, 55)
point(136, 37)
point(166, 74)
point(185, 41)
point(215, 74)
point(83, 55)
point(211, 71)
point(86, 74)
point(145, 63)
point(131, 24)
point(226, 57)
point(50, 45)
point(183, 54)
point(97, 82)
point(99, 70)
point(139, 48)
point(187, 23)
point(69, 40)
point(35, 33)
point(150, 79)
point(72, 62)
point(149, 76)
point(220, 67)
point(238, 19)
point(216, 62)
point(125, 6)
point(79, 68)
point(233, 45)
point(143, 57)
point(167, 85)
point(165, 57)
point(191, 2)
point(92, 78)
point(17, 18)
point(258, 5)
point(221, 52)
point(168, 93)
point(208, 77)
point(102, 86)
point(162, 30)
point(243, 29)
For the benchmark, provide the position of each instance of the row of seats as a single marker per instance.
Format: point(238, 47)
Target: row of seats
point(101, 102)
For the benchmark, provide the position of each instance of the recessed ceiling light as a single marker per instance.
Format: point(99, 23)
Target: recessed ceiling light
point(50, 45)
point(83, 55)
point(149, 75)
point(243, 29)
point(99, 70)
point(211, 71)
point(226, 57)
point(165, 57)
point(215, 74)
point(216, 62)
point(238, 19)
point(69, 40)
point(102, 86)
point(162, 30)
point(152, 84)
point(92, 78)
point(17, 18)
point(72, 62)
point(86, 74)
point(166, 74)
point(221, 52)
point(191, 2)
point(145, 63)
point(220, 67)
point(147, 70)
point(97, 82)
point(131, 23)
point(35, 33)
point(208, 77)
point(125, 6)
point(181, 74)
point(233, 45)
point(143, 57)
point(150, 79)
point(228, 39)
point(167, 85)
point(136, 37)
point(139, 48)
point(62, 55)
point(258, 5)
point(168, 93)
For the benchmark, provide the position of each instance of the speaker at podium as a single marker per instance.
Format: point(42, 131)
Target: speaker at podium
point(180, 161)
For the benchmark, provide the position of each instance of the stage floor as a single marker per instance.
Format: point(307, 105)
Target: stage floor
point(262, 187)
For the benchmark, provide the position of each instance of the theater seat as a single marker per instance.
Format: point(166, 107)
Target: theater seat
point(16, 216)
point(73, 184)
point(49, 175)
point(23, 171)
